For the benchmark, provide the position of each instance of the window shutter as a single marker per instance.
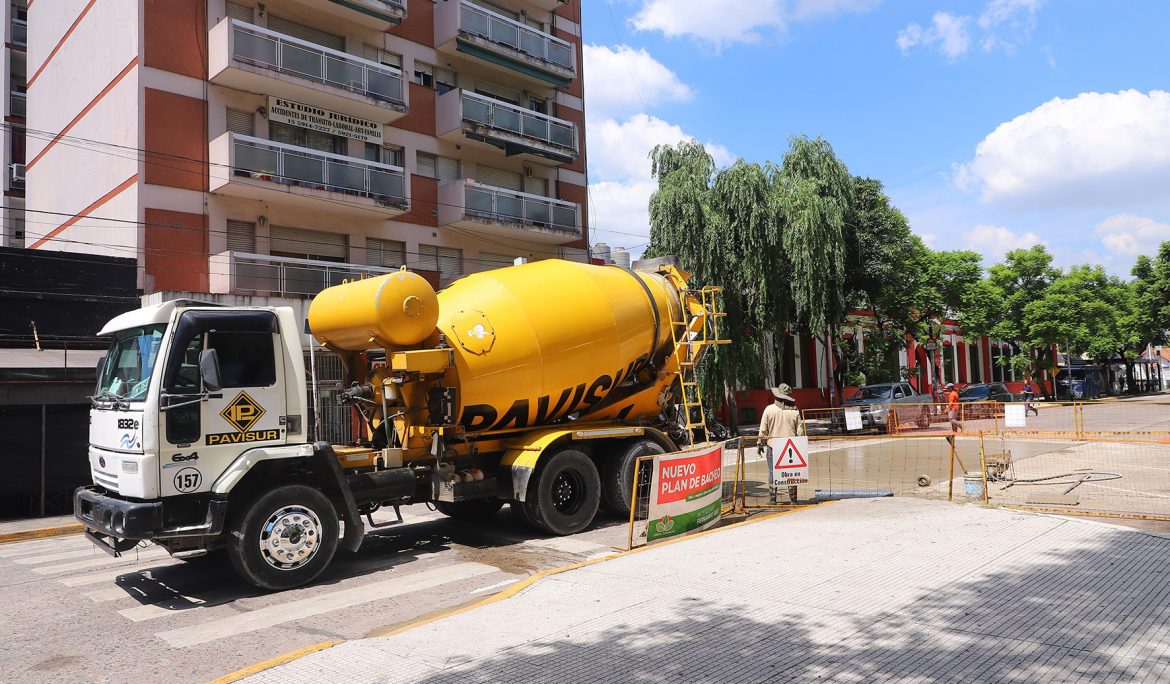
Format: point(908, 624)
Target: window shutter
point(385, 253)
point(499, 178)
point(446, 168)
point(537, 186)
point(241, 122)
point(241, 236)
point(311, 243)
point(426, 164)
point(381, 56)
point(490, 260)
point(444, 76)
point(450, 263)
point(237, 11)
point(316, 36)
point(497, 91)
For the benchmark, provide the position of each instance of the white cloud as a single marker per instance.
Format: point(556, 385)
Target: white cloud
point(1002, 25)
point(1131, 235)
point(946, 32)
point(620, 81)
point(620, 150)
point(993, 241)
point(620, 207)
point(1105, 149)
point(725, 22)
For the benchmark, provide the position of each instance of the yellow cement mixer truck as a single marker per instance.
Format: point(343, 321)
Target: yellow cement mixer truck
point(538, 385)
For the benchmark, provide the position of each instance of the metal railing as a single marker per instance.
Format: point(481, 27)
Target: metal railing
point(19, 32)
point(396, 8)
point(292, 277)
point(17, 104)
point(518, 120)
point(259, 46)
point(485, 201)
point(497, 28)
point(291, 165)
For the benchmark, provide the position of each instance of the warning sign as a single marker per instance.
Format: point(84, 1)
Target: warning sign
point(788, 464)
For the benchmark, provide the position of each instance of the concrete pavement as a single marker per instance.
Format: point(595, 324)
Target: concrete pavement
point(862, 590)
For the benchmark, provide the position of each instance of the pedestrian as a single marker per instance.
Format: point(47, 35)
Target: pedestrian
point(953, 407)
point(1029, 393)
point(781, 419)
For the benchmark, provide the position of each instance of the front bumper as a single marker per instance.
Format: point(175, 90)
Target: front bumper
point(110, 516)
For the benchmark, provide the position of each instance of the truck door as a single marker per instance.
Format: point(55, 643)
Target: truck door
point(203, 431)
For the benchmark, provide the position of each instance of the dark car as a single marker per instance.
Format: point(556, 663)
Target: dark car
point(984, 400)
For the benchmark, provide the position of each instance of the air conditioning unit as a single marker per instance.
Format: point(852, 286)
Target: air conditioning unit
point(17, 173)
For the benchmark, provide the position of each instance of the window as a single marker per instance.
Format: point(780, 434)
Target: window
point(307, 33)
point(239, 12)
point(303, 137)
point(489, 261)
point(245, 357)
point(385, 253)
point(381, 56)
point(499, 178)
point(241, 236)
point(538, 105)
point(299, 243)
point(434, 166)
point(386, 154)
point(240, 121)
point(442, 80)
point(448, 261)
point(498, 92)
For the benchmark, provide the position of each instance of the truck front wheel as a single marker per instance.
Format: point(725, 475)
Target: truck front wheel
point(563, 494)
point(285, 538)
point(618, 481)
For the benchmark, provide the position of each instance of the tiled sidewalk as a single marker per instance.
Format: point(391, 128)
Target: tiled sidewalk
point(863, 590)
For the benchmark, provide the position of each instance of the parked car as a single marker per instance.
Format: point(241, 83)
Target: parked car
point(876, 401)
point(985, 400)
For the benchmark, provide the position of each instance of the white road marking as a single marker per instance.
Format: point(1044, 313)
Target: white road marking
point(61, 555)
point(108, 594)
point(104, 560)
point(109, 575)
point(43, 546)
point(565, 544)
point(262, 618)
point(165, 607)
point(493, 586)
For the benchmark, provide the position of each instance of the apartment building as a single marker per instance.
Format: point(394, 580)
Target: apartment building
point(270, 149)
point(12, 133)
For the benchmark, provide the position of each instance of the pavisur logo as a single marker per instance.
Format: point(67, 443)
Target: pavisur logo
point(665, 525)
point(242, 413)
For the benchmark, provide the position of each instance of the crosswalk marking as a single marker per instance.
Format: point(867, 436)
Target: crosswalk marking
point(107, 594)
point(111, 575)
point(270, 616)
point(60, 555)
point(43, 546)
point(102, 561)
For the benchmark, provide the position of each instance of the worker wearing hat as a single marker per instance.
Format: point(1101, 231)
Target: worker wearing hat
point(952, 396)
point(781, 419)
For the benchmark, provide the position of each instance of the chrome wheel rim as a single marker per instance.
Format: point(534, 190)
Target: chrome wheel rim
point(290, 537)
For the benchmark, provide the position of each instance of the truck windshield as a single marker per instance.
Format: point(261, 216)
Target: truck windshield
point(130, 362)
point(875, 392)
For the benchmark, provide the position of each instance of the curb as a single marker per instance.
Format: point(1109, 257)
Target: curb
point(512, 590)
point(42, 533)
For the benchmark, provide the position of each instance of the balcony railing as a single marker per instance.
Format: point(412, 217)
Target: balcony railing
point(291, 277)
point(280, 163)
point(498, 204)
point(497, 28)
point(17, 103)
point(519, 121)
point(19, 32)
point(271, 50)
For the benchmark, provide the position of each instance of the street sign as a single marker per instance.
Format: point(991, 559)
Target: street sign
point(789, 462)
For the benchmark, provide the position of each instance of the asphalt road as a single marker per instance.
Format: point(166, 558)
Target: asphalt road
point(73, 613)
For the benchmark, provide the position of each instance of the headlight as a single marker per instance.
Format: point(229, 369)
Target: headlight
point(130, 467)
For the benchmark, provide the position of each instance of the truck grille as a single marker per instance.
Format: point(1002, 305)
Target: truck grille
point(107, 480)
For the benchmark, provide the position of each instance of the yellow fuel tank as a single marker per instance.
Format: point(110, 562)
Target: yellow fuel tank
point(394, 311)
point(532, 343)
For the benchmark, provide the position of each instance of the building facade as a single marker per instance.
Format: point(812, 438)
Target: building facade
point(265, 150)
point(12, 134)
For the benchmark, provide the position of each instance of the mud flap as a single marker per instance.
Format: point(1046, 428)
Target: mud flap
point(335, 485)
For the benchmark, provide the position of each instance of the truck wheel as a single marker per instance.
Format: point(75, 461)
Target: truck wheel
point(285, 538)
point(618, 478)
point(475, 509)
point(564, 493)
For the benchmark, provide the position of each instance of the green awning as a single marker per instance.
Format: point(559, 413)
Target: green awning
point(514, 64)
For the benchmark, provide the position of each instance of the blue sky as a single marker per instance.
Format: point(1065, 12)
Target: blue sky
point(993, 124)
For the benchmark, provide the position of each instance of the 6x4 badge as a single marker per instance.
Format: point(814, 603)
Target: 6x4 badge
point(179, 458)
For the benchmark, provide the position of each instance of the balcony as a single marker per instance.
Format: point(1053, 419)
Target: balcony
point(247, 57)
point(515, 130)
point(254, 168)
point(376, 14)
point(504, 43)
point(482, 208)
point(244, 273)
point(20, 32)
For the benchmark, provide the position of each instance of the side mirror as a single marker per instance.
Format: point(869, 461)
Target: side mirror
point(209, 370)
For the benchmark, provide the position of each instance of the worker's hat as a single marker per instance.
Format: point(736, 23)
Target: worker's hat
point(783, 391)
point(950, 385)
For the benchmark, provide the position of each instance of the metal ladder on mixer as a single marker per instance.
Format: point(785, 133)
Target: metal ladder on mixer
point(691, 335)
